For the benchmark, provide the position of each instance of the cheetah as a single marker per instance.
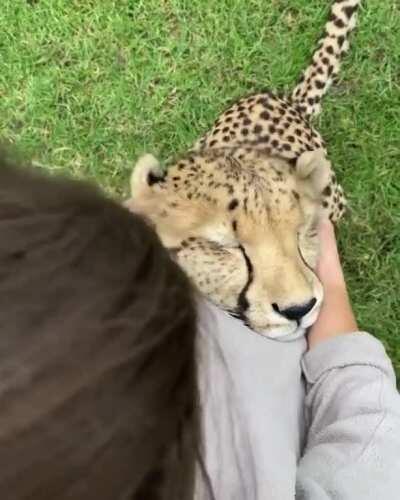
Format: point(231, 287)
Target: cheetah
point(239, 211)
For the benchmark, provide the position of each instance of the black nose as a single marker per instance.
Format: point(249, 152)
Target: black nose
point(295, 312)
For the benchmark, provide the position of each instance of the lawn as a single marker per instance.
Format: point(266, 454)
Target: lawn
point(88, 85)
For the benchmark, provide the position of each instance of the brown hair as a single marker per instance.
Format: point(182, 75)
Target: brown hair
point(98, 395)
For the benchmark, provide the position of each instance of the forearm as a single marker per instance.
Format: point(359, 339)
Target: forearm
point(336, 316)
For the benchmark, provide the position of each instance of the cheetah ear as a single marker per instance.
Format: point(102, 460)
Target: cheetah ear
point(171, 215)
point(314, 169)
point(146, 172)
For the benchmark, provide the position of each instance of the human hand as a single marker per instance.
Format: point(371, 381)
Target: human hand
point(336, 316)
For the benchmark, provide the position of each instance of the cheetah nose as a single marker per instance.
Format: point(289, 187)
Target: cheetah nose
point(295, 313)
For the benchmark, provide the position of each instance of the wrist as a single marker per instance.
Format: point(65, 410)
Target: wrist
point(336, 316)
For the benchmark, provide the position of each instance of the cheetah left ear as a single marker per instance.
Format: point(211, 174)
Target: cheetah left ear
point(146, 176)
point(146, 172)
point(314, 169)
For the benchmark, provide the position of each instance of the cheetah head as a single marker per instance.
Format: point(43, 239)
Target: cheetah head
point(242, 225)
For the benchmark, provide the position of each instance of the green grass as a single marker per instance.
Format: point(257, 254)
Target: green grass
point(86, 86)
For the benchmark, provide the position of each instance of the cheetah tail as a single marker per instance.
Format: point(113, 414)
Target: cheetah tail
point(325, 64)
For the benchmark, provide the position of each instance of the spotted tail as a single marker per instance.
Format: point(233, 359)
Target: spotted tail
point(326, 60)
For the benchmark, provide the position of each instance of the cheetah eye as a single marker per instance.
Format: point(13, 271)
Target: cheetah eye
point(312, 227)
point(309, 226)
point(306, 234)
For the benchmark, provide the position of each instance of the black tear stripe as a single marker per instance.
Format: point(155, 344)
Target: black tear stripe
point(243, 303)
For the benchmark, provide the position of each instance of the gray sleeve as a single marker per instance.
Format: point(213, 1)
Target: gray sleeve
point(352, 449)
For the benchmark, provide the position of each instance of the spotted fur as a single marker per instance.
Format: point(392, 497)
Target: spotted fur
point(239, 210)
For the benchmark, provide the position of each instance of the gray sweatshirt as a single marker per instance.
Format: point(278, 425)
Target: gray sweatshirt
point(282, 423)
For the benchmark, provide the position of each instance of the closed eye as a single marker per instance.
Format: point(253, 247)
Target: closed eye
point(228, 239)
point(222, 240)
point(229, 244)
point(309, 228)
